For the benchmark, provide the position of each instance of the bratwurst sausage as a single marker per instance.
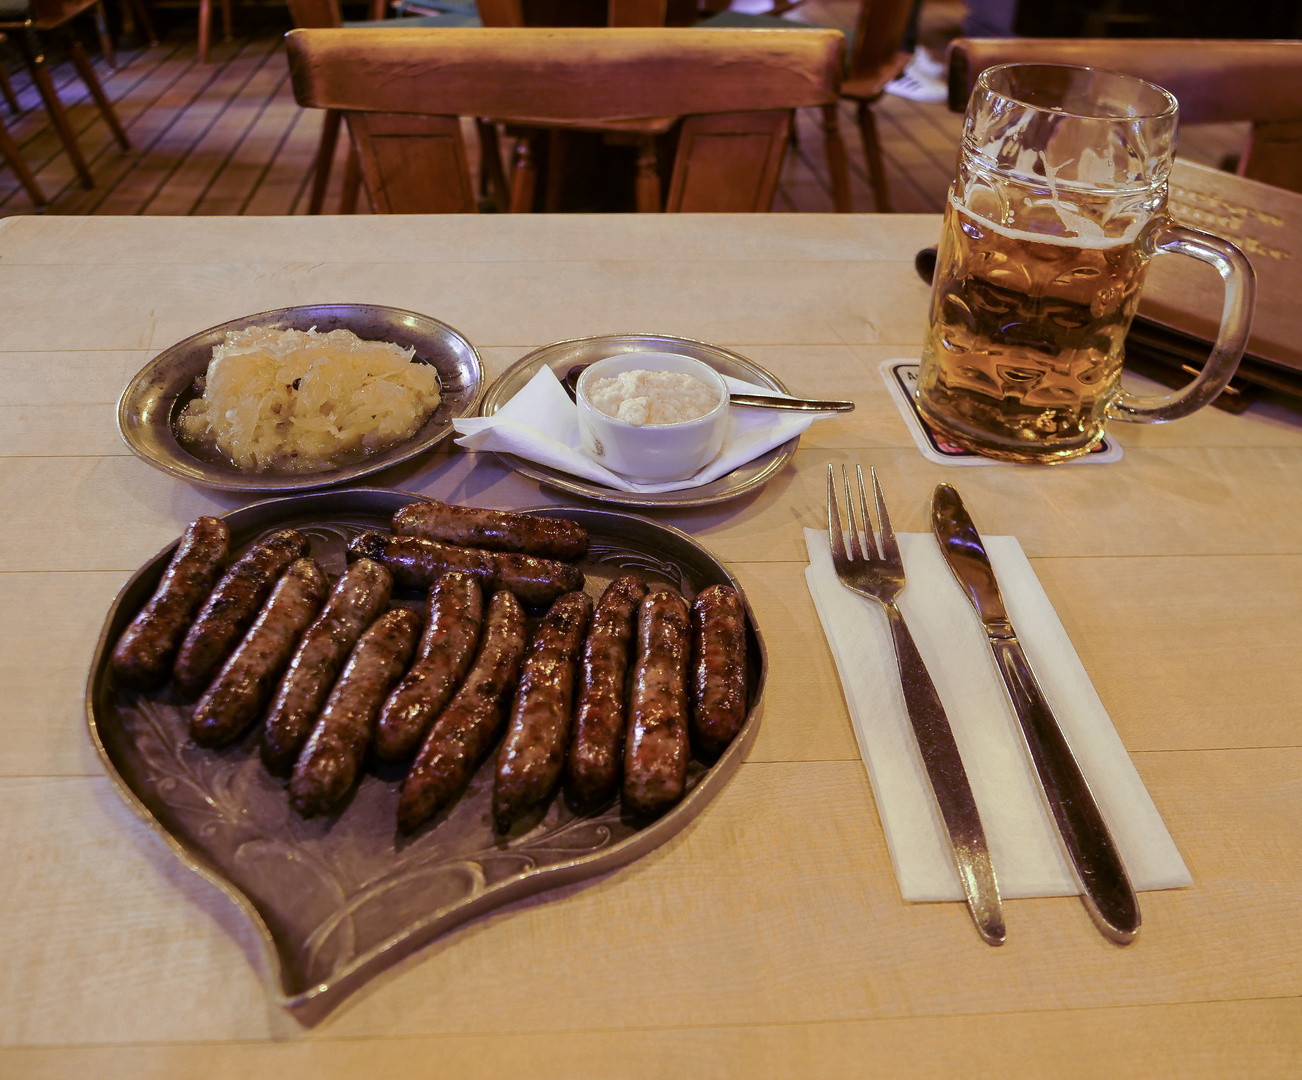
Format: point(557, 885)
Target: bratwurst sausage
point(452, 620)
point(597, 751)
point(464, 730)
point(360, 594)
point(330, 761)
point(238, 695)
point(718, 668)
point(143, 656)
point(495, 530)
point(656, 754)
point(231, 608)
point(418, 563)
point(533, 752)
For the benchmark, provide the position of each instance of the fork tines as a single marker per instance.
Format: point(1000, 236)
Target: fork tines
point(863, 545)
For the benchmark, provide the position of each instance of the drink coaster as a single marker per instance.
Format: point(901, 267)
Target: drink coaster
point(901, 378)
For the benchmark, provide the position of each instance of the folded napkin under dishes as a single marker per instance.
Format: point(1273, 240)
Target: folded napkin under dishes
point(541, 424)
point(1024, 846)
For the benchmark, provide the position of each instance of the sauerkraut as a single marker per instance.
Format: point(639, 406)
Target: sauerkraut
point(300, 401)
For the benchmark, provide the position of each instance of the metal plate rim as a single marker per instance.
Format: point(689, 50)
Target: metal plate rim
point(685, 498)
point(178, 462)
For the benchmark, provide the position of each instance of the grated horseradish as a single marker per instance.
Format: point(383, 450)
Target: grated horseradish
point(643, 398)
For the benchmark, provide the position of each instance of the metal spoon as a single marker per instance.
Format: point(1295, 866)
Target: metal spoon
point(757, 401)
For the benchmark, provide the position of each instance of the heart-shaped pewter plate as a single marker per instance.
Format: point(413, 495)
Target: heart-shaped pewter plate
point(338, 899)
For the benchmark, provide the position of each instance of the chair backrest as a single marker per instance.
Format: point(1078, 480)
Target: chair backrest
point(403, 91)
point(878, 34)
point(315, 14)
point(1214, 82)
point(513, 13)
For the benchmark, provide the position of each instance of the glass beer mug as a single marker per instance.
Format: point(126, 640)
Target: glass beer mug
point(1058, 206)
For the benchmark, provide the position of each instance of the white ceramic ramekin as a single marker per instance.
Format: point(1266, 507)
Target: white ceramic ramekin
point(652, 453)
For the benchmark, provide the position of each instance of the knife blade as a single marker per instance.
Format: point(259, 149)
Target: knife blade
point(1091, 852)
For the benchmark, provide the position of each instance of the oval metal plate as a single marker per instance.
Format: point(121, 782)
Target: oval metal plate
point(560, 356)
point(149, 406)
point(338, 899)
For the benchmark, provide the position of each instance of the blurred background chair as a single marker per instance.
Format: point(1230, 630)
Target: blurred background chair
point(734, 92)
point(9, 149)
point(875, 57)
point(1214, 82)
point(28, 20)
point(325, 14)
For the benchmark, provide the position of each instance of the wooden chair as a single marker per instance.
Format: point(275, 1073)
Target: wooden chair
point(734, 90)
point(325, 14)
point(6, 87)
point(9, 149)
point(28, 21)
point(875, 58)
point(1214, 82)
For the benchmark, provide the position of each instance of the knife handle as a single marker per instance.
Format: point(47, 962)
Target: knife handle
point(949, 783)
point(1091, 851)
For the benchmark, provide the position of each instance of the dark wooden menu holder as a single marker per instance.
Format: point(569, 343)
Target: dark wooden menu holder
point(1181, 302)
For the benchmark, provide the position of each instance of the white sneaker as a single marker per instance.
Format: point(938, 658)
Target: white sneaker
point(926, 64)
point(921, 80)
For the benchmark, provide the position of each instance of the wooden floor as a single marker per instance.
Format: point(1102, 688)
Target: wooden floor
point(226, 137)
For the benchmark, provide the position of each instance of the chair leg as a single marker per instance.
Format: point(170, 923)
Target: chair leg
point(228, 31)
point(9, 151)
point(141, 9)
point(325, 157)
point(872, 149)
point(7, 88)
point(648, 177)
point(87, 72)
point(105, 38)
point(41, 77)
point(352, 182)
point(837, 168)
point(524, 178)
point(558, 147)
point(492, 179)
point(205, 29)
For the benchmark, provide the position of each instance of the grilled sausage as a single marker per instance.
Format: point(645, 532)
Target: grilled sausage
point(465, 730)
point(231, 608)
point(597, 750)
point(329, 763)
point(656, 754)
point(533, 752)
point(418, 563)
point(452, 620)
point(360, 594)
point(495, 530)
point(239, 694)
point(142, 658)
point(718, 668)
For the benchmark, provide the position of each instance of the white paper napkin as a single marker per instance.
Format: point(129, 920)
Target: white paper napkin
point(1024, 845)
point(541, 424)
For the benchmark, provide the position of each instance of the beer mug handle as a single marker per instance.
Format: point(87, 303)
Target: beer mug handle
point(1168, 238)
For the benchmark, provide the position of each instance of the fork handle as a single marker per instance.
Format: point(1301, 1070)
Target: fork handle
point(949, 783)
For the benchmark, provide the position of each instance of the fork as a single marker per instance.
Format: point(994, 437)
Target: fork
point(878, 573)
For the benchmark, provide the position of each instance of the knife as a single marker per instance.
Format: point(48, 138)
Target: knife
point(1096, 864)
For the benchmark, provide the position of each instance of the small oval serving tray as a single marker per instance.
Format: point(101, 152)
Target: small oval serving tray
point(338, 899)
point(560, 356)
point(152, 401)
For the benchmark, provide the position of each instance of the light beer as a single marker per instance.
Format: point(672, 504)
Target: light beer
point(1026, 334)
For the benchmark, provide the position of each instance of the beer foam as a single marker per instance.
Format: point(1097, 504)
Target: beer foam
point(1090, 238)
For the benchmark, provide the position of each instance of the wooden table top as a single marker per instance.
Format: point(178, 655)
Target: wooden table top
point(768, 939)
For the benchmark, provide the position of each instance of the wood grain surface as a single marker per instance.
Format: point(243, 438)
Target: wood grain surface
point(768, 939)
